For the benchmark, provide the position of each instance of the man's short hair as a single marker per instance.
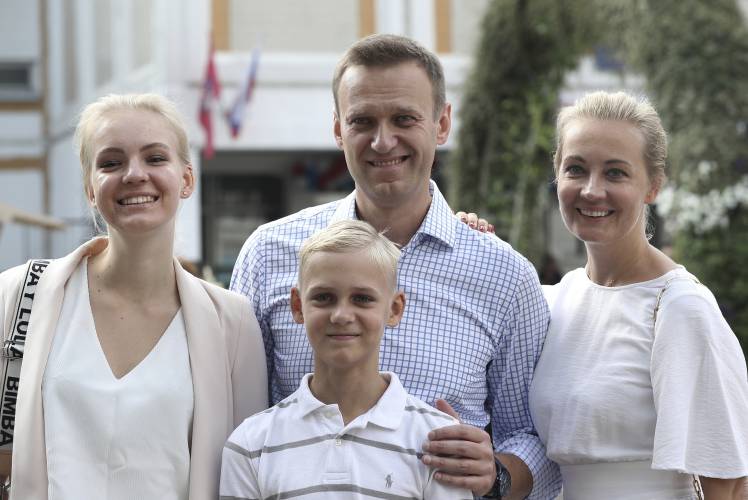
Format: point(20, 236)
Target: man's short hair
point(348, 236)
point(383, 50)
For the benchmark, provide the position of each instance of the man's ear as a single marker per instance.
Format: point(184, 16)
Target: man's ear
point(396, 308)
point(336, 130)
point(444, 124)
point(296, 312)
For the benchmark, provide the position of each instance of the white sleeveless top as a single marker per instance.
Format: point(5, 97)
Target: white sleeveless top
point(109, 438)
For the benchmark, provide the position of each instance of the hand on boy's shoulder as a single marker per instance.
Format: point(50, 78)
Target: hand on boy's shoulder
point(462, 453)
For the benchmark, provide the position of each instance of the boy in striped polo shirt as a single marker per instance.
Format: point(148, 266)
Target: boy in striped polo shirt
point(349, 431)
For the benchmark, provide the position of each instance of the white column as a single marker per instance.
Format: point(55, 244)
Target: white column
point(391, 16)
point(422, 21)
point(85, 20)
point(122, 41)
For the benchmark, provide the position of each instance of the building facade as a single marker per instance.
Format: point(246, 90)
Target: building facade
point(58, 55)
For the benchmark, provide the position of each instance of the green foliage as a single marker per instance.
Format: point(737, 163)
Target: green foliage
point(695, 59)
point(502, 165)
point(694, 56)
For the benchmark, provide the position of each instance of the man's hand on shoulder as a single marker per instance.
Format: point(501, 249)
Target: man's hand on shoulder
point(473, 221)
point(462, 453)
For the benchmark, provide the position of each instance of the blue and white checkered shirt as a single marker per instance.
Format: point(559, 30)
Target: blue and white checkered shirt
point(474, 323)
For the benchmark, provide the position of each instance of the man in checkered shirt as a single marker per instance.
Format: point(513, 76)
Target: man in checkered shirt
point(476, 318)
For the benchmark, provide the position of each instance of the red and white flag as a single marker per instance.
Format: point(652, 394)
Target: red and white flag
point(235, 116)
point(210, 94)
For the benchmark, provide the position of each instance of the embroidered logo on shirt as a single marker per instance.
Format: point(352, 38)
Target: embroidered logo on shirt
point(388, 480)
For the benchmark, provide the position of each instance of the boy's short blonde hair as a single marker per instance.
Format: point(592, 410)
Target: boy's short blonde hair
point(352, 236)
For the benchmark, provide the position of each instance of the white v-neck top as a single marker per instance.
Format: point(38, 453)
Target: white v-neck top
point(109, 438)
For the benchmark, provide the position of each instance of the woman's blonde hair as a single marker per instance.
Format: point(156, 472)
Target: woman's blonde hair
point(619, 106)
point(352, 236)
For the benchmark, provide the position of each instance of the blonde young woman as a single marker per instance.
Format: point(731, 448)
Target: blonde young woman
point(641, 391)
point(135, 372)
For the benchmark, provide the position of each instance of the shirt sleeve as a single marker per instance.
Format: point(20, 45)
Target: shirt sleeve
point(248, 279)
point(509, 378)
point(238, 471)
point(700, 388)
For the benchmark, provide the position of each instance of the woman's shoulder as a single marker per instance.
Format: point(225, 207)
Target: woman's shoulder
point(232, 311)
point(222, 298)
point(688, 309)
point(682, 290)
point(13, 276)
point(569, 280)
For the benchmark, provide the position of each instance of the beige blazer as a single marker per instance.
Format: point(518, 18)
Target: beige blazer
point(227, 359)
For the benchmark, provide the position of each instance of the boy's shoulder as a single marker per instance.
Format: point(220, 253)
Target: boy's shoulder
point(422, 415)
point(397, 409)
point(254, 430)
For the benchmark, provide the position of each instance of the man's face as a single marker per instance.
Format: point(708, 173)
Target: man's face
point(385, 125)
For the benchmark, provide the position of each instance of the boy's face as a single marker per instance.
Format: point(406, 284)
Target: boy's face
point(345, 301)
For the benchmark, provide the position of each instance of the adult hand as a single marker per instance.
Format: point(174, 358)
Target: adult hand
point(475, 222)
point(462, 454)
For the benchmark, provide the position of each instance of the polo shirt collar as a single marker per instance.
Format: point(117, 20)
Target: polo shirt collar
point(307, 402)
point(387, 413)
point(389, 410)
point(439, 222)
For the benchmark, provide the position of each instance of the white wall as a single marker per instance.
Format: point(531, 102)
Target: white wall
point(19, 20)
point(21, 134)
point(21, 189)
point(167, 61)
point(67, 201)
point(466, 18)
point(294, 25)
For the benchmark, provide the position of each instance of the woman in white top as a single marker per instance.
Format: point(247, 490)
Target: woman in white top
point(641, 389)
point(135, 372)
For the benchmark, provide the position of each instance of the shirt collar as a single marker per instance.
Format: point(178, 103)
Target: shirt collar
point(387, 412)
point(307, 402)
point(439, 222)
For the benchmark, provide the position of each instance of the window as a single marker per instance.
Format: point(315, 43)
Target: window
point(17, 81)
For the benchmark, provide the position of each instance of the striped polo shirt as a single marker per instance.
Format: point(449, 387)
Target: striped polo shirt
point(300, 448)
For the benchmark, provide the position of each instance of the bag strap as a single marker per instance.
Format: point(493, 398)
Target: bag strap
point(665, 287)
point(694, 478)
point(11, 354)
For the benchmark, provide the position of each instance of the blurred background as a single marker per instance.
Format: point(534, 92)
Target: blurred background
point(252, 79)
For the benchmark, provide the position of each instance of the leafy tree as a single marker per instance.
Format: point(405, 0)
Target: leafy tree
point(501, 167)
point(694, 56)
